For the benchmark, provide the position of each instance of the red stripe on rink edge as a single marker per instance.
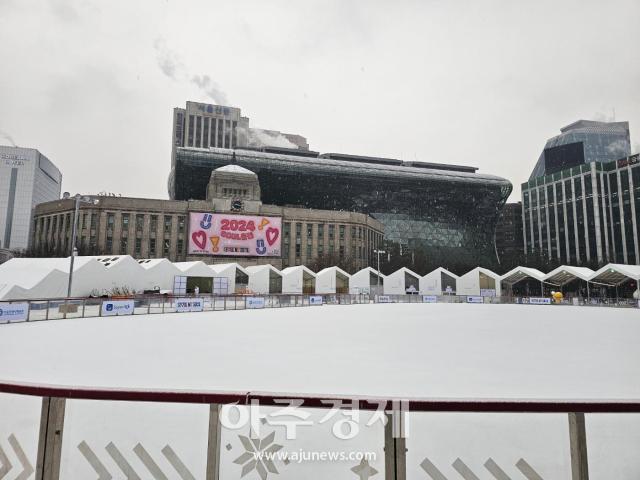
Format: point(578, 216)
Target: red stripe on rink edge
point(325, 401)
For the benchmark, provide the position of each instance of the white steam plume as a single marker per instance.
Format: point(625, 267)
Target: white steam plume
point(171, 64)
point(7, 137)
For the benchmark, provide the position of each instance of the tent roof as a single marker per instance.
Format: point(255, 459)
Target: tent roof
point(443, 270)
point(370, 270)
point(326, 271)
point(147, 263)
point(405, 270)
point(520, 273)
point(616, 273)
point(221, 267)
point(486, 271)
point(297, 268)
point(260, 268)
point(566, 273)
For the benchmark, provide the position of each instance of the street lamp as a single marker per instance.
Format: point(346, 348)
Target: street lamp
point(379, 252)
point(78, 200)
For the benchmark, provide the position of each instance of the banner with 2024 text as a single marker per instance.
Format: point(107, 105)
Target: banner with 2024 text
point(234, 235)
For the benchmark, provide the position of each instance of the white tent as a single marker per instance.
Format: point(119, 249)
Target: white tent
point(122, 272)
point(237, 276)
point(332, 280)
point(23, 278)
point(194, 269)
point(565, 274)
point(518, 274)
point(402, 281)
point(298, 280)
point(439, 282)
point(160, 274)
point(366, 281)
point(480, 282)
point(616, 274)
point(264, 279)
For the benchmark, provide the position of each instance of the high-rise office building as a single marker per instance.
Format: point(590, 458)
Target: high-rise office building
point(586, 213)
point(583, 142)
point(203, 125)
point(26, 178)
point(509, 231)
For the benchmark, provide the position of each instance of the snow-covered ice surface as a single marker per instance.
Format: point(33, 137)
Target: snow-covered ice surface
point(399, 350)
point(406, 350)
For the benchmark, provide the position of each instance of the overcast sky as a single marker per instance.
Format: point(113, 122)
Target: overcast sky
point(92, 84)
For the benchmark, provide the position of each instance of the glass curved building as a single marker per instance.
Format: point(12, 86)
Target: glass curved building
point(444, 213)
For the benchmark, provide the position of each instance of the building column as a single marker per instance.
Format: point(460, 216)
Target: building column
point(596, 212)
point(546, 211)
point(605, 226)
point(539, 218)
point(575, 219)
point(524, 224)
point(555, 214)
point(585, 221)
point(611, 221)
point(621, 210)
point(633, 217)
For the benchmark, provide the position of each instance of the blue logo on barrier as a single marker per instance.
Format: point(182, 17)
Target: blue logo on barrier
point(109, 307)
point(1, 312)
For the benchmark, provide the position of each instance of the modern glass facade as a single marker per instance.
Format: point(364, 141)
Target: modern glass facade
point(27, 178)
point(585, 214)
point(445, 213)
point(583, 142)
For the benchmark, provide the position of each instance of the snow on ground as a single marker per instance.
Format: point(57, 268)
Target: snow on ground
point(409, 350)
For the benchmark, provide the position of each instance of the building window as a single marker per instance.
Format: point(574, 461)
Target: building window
point(139, 223)
point(109, 245)
point(166, 249)
point(167, 223)
point(125, 222)
point(332, 229)
point(180, 246)
point(191, 128)
point(180, 224)
point(153, 223)
point(124, 246)
point(152, 247)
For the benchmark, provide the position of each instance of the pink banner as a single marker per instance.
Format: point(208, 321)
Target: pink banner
point(234, 235)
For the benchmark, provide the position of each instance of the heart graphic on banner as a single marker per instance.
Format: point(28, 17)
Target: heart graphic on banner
point(200, 239)
point(272, 235)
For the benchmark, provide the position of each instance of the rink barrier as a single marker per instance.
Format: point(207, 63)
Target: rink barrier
point(396, 410)
point(86, 307)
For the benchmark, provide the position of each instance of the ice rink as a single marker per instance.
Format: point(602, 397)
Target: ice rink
point(383, 350)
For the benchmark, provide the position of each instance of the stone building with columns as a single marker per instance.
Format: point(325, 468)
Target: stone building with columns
point(152, 228)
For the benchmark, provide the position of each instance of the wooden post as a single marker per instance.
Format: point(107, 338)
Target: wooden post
point(578, 443)
point(50, 438)
point(213, 446)
point(395, 451)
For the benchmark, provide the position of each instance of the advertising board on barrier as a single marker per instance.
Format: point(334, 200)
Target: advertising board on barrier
point(189, 305)
point(234, 235)
point(13, 312)
point(315, 300)
point(540, 301)
point(429, 299)
point(488, 292)
point(255, 302)
point(383, 299)
point(475, 299)
point(117, 307)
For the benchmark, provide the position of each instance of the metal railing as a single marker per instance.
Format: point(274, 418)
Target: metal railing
point(57, 402)
point(85, 307)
